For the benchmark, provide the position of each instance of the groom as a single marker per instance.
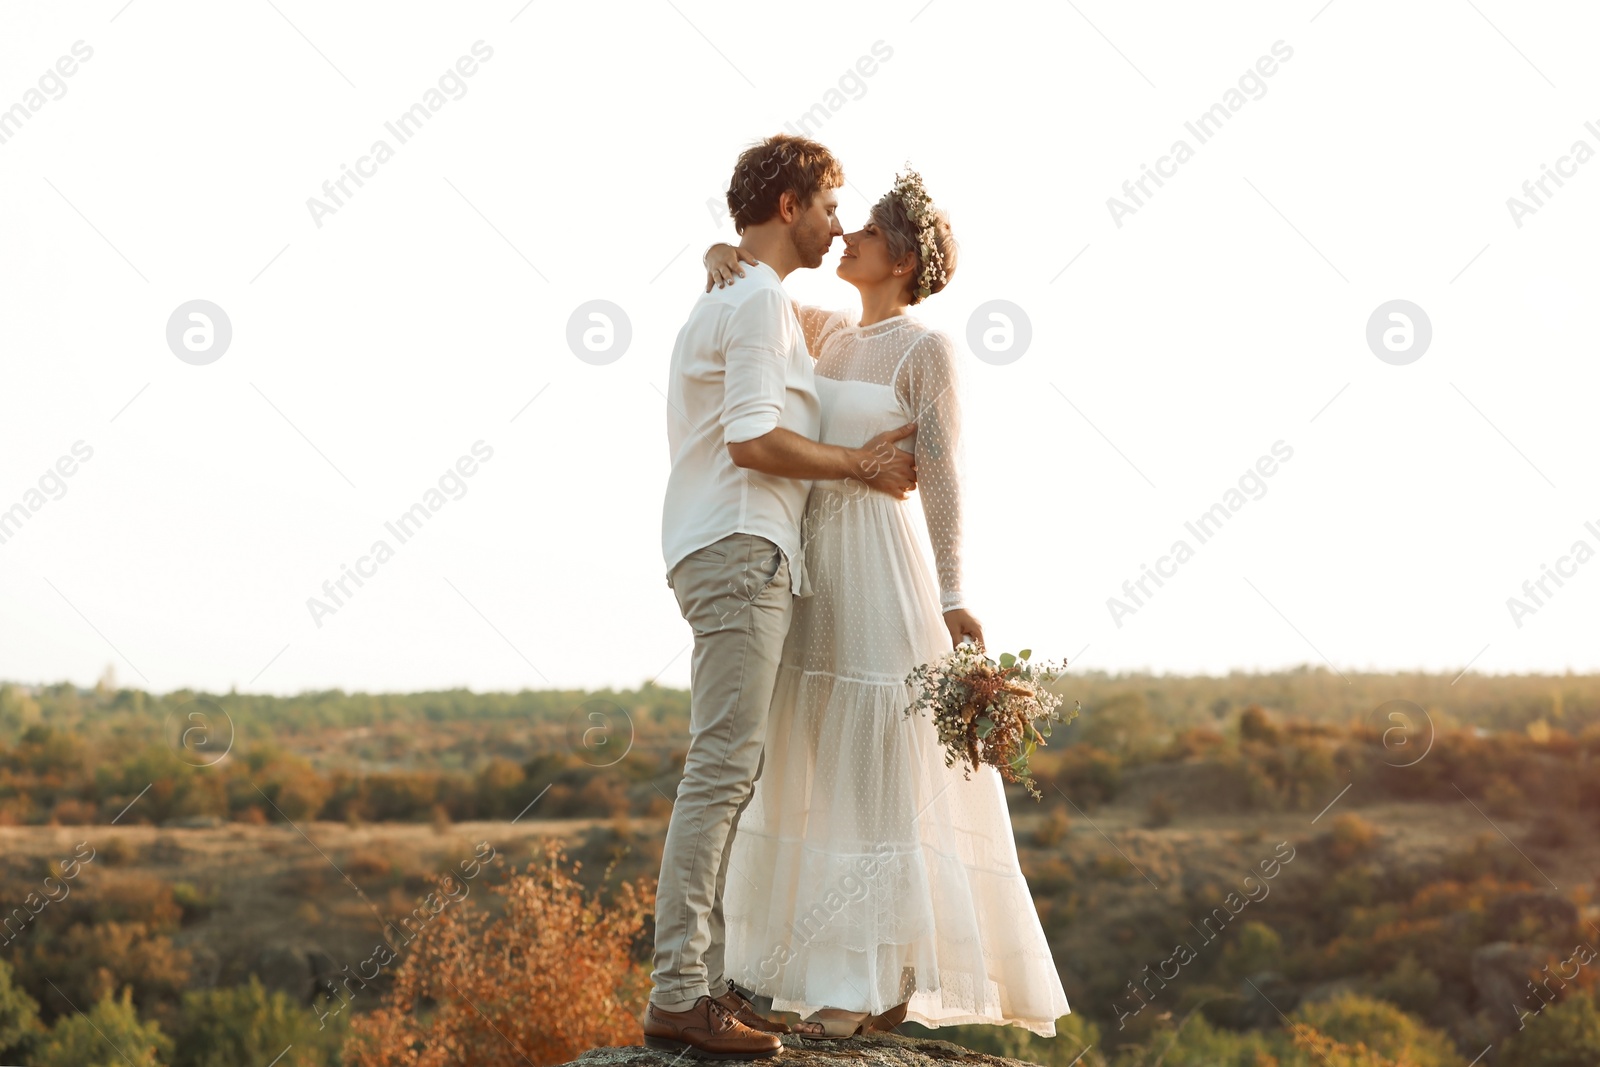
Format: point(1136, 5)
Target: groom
point(742, 423)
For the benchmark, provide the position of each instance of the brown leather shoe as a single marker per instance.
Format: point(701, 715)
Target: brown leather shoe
point(707, 1031)
point(737, 1003)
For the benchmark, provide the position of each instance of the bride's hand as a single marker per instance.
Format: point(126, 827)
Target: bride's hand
point(960, 621)
point(722, 263)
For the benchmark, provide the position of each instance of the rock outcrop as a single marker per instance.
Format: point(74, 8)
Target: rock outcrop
point(876, 1050)
point(1502, 976)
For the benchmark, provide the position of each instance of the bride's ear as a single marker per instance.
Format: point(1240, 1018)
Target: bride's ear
point(906, 265)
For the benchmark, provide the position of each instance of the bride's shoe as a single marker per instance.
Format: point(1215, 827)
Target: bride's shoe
point(837, 1024)
point(886, 1022)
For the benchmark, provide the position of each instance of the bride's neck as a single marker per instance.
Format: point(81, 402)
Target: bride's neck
point(882, 302)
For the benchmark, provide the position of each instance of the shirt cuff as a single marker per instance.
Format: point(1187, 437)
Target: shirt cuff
point(749, 427)
point(950, 601)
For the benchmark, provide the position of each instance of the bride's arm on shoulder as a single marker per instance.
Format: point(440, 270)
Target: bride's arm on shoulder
point(722, 262)
point(928, 383)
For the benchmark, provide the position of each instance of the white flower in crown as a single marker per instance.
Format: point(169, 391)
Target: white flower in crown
point(908, 189)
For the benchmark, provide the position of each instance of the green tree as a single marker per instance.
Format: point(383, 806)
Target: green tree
point(1562, 1035)
point(19, 1016)
point(18, 711)
point(1409, 984)
point(247, 1024)
point(111, 1035)
point(1258, 948)
point(1382, 1028)
point(1345, 1032)
point(1123, 724)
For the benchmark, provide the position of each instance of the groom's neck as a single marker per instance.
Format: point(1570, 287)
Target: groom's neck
point(772, 245)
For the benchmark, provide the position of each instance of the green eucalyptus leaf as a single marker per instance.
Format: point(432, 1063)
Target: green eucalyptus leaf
point(1025, 653)
point(1007, 659)
point(984, 724)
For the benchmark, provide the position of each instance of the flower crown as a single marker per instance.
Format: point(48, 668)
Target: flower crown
point(913, 197)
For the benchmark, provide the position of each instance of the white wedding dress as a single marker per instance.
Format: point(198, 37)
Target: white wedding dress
point(865, 873)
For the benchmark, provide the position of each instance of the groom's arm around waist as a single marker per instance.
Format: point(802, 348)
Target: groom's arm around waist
point(787, 454)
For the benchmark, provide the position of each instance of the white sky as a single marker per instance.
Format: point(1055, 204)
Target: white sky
point(369, 354)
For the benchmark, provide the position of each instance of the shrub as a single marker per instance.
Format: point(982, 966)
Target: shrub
point(367, 864)
point(19, 1015)
point(1052, 829)
point(1503, 798)
point(1351, 837)
point(1088, 775)
point(1347, 1032)
point(116, 850)
point(89, 963)
point(1258, 948)
point(1195, 742)
point(1123, 724)
point(71, 811)
point(551, 976)
point(1409, 985)
point(1391, 1034)
point(110, 1035)
point(1159, 811)
point(247, 1024)
point(1562, 1035)
point(128, 898)
point(1554, 829)
point(1256, 725)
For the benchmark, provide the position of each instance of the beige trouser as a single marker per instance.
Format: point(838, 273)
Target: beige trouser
point(735, 594)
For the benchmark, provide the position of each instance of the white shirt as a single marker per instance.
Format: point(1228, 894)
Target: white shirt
point(740, 369)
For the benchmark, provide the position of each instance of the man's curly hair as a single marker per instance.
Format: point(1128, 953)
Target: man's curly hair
point(768, 168)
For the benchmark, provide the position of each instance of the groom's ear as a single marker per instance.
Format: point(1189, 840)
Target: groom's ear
point(788, 205)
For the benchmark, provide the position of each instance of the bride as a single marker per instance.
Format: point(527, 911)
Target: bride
point(869, 883)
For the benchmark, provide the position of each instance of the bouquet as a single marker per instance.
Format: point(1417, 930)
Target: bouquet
point(988, 711)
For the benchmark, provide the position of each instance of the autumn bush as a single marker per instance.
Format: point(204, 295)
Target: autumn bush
point(1052, 829)
point(542, 973)
point(1159, 811)
point(1351, 838)
point(91, 963)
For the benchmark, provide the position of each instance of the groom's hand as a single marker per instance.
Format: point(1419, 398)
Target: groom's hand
point(880, 465)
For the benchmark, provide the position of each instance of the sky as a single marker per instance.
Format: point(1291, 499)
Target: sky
point(1347, 322)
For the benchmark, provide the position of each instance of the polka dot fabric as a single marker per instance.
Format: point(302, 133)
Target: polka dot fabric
point(919, 364)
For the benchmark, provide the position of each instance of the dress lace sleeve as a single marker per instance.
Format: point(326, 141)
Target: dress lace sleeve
point(818, 323)
point(926, 382)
